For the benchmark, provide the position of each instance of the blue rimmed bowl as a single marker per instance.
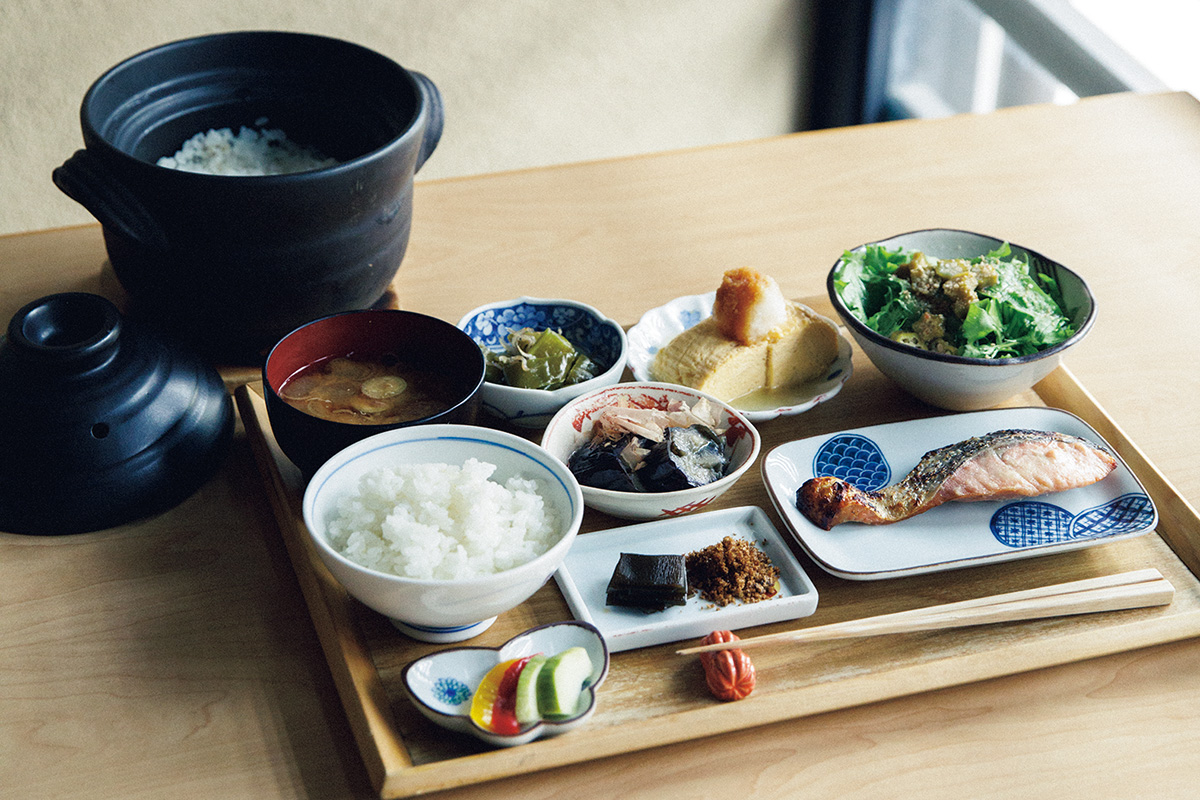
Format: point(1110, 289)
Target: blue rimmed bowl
point(601, 338)
point(441, 684)
point(441, 610)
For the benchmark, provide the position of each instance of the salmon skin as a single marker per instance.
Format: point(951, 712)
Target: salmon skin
point(1002, 465)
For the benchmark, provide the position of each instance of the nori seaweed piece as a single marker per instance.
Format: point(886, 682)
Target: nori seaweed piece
point(649, 582)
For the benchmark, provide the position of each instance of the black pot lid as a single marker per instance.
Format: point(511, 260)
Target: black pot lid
point(101, 422)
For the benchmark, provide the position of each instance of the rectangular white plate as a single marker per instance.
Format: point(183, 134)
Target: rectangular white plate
point(584, 575)
point(952, 535)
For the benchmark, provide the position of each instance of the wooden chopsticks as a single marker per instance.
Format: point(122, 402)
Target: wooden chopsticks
point(1136, 589)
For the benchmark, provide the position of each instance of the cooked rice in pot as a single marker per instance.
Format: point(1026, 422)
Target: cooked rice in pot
point(250, 152)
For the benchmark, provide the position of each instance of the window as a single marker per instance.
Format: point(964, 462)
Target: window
point(932, 58)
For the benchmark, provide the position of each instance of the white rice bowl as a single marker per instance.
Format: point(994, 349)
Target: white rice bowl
point(425, 500)
point(442, 522)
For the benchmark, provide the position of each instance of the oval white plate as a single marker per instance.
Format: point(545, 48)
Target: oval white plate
point(953, 535)
point(658, 326)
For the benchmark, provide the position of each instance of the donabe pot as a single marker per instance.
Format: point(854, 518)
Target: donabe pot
point(232, 263)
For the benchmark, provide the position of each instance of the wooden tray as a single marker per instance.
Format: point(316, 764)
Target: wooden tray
point(654, 697)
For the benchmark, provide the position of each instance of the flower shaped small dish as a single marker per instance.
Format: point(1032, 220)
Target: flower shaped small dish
point(592, 333)
point(442, 685)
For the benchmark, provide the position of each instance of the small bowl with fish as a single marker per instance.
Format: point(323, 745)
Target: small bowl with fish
point(344, 377)
point(542, 353)
point(960, 320)
point(441, 528)
point(651, 450)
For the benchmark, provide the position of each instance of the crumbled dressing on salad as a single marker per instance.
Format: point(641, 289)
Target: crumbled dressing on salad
point(985, 307)
point(946, 284)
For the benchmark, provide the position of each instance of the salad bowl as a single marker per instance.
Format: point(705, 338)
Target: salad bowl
point(962, 382)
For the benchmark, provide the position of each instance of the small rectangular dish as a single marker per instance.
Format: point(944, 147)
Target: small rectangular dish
point(584, 575)
point(953, 535)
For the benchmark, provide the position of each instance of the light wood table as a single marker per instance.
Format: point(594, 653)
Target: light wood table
point(175, 658)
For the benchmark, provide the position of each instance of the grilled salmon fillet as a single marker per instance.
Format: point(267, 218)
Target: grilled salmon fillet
point(1002, 465)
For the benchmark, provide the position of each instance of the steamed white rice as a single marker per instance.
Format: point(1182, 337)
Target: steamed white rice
point(440, 521)
point(249, 152)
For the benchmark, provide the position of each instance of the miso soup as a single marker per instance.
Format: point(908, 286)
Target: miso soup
point(366, 390)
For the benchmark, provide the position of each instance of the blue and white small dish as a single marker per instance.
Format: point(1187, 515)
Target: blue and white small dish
point(601, 338)
point(952, 535)
point(659, 326)
point(442, 684)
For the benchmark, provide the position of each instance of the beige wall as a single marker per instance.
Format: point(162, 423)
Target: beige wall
point(525, 82)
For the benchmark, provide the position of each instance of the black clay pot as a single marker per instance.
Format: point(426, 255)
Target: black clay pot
point(232, 263)
point(101, 421)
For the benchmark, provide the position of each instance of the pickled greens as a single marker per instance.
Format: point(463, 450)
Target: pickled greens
point(538, 359)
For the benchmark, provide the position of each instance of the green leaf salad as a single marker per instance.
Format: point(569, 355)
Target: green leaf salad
point(986, 307)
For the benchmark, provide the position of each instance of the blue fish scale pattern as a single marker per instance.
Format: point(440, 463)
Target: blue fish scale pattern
point(1031, 523)
point(491, 328)
point(855, 459)
point(451, 691)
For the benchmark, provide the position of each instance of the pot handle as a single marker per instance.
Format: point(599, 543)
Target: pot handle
point(437, 116)
point(84, 179)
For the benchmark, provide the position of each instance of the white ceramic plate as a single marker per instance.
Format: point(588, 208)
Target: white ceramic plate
point(442, 684)
point(658, 326)
point(584, 575)
point(952, 535)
